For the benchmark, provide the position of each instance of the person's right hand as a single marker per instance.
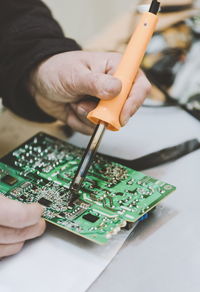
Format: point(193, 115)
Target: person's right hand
point(18, 223)
point(62, 83)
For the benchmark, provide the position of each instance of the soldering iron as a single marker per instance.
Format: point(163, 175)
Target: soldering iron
point(107, 113)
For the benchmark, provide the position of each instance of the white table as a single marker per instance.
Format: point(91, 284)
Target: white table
point(162, 255)
point(164, 252)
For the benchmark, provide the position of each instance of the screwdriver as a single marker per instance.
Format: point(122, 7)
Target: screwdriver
point(107, 113)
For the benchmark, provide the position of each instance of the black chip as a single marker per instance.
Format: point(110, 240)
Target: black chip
point(62, 214)
point(9, 180)
point(23, 197)
point(45, 202)
point(90, 218)
point(119, 194)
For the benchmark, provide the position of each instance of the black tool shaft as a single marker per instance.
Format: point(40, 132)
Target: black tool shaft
point(87, 158)
point(155, 6)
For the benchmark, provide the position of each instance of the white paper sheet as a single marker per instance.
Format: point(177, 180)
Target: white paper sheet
point(59, 261)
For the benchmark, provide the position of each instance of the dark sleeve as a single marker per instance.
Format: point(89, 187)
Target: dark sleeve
point(28, 35)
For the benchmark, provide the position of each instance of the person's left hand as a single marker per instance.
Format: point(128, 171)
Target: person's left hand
point(62, 83)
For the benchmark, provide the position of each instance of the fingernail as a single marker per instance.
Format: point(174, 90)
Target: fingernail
point(82, 111)
point(125, 121)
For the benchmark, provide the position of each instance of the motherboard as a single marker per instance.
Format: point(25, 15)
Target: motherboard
point(111, 198)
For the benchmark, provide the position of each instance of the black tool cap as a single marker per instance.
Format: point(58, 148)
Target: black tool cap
point(154, 8)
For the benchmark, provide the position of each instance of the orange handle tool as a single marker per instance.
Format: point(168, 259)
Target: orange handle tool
point(108, 111)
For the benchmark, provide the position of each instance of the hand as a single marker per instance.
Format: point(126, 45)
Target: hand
point(61, 86)
point(18, 223)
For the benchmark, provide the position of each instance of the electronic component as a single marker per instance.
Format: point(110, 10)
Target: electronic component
point(111, 197)
point(45, 202)
point(9, 180)
point(91, 218)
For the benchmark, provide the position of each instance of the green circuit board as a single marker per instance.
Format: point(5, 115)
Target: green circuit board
point(112, 196)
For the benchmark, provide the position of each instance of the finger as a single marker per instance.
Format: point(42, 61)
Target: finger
point(11, 249)
point(113, 63)
point(63, 112)
point(12, 236)
point(101, 85)
point(82, 110)
point(18, 215)
point(58, 110)
point(74, 122)
point(104, 62)
point(66, 114)
point(139, 92)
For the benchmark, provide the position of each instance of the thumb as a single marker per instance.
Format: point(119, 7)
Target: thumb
point(100, 85)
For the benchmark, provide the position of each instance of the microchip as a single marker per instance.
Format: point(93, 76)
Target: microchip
point(62, 214)
point(119, 194)
point(9, 180)
point(23, 197)
point(91, 218)
point(45, 202)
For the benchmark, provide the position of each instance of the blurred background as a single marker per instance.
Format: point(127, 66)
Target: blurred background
point(81, 19)
point(172, 61)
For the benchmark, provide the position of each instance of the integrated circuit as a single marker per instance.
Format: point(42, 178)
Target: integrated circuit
point(112, 196)
point(91, 218)
point(9, 180)
point(45, 202)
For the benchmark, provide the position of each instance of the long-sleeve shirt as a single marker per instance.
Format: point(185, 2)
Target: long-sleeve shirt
point(28, 35)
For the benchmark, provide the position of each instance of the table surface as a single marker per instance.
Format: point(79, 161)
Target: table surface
point(163, 253)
